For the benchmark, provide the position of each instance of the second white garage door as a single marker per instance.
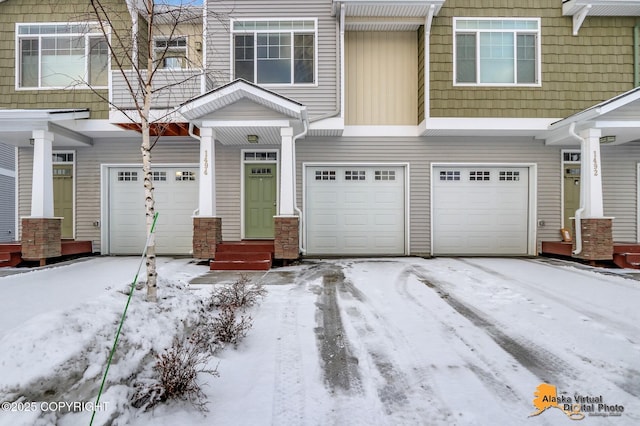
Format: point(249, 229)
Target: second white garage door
point(176, 197)
point(480, 210)
point(355, 210)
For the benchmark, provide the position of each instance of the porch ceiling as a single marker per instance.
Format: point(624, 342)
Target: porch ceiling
point(18, 124)
point(602, 7)
point(618, 116)
point(388, 8)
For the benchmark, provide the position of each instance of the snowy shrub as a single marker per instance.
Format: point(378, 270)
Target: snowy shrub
point(178, 368)
point(226, 327)
point(241, 294)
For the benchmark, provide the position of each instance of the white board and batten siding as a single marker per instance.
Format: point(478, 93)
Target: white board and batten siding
point(320, 98)
point(7, 193)
point(355, 209)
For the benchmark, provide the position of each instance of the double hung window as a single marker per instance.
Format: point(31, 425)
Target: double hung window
point(491, 51)
point(275, 51)
point(61, 55)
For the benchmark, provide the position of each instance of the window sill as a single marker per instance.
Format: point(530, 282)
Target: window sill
point(78, 87)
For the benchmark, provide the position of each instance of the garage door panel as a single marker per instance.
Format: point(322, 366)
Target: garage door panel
point(482, 210)
point(368, 215)
point(175, 195)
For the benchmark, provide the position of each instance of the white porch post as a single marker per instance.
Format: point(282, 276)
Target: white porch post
point(287, 168)
point(591, 185)
point(42, 181)
point(207, 185)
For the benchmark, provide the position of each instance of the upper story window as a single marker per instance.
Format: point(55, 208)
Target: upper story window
point(275, 51)
point(61, 55)
point(171, 52)
point(501, 52)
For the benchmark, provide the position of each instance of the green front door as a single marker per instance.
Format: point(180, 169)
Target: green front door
point(63, 197)
point(571, 192)
point(259, 200)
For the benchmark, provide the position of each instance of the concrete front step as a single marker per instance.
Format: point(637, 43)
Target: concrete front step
point(627, 260)
point(240, 265)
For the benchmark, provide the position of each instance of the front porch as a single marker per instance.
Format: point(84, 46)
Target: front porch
point(625, 255)
point(11, 253)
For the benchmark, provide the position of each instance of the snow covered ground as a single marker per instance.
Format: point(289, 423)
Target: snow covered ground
point(447, 341)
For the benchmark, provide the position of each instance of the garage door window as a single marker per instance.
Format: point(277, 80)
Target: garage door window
point(159, 176)
point(507, 175)
point(479, 175)
point(450, 175)
point(385, 175)
point(185, 175)
point(355, 175)
point(127, 176)
point(325, 175)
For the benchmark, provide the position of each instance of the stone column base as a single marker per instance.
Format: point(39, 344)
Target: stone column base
point(597, 239)
point(41, 238)
point(207, 234)
point(287, 237)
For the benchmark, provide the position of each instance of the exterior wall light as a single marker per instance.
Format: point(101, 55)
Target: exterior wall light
point(252, 138)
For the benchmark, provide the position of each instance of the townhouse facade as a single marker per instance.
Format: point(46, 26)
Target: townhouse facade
point(380, 127)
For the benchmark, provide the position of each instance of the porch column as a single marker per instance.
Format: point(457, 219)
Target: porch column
point(593, 232)
point(207, 185)
point(591, 185)
point(287, 167)
point(42, 180)
point(207, 228)
point(287, 224)
point(42, 232)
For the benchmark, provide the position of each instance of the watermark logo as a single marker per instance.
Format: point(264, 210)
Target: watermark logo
point(576, 407)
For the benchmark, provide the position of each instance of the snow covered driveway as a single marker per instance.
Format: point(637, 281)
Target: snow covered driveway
point(407, 341)
point(435, 342)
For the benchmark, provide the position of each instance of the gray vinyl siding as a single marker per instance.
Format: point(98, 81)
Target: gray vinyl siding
point(87, 175)
point(620, 189)
point(320, 100)
point(7, 193)
point(421, 152)
point(171, 88)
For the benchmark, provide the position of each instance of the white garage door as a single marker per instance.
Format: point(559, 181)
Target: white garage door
point(355, 210)
point(480, 210)
point(176, 197)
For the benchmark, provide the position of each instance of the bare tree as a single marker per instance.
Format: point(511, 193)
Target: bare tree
point(130, 40)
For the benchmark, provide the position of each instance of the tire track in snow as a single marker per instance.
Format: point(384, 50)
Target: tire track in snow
point(545, 365)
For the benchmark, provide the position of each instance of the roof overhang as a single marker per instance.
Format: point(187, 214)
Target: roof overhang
point(386, 15)
point(17, 125)
point(580, 9)
point(484, 126)
point(203, 110)
point(618, 118)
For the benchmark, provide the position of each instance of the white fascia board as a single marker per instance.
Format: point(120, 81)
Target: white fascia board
point(245, 123)
point(333, 123)
point(624, 124)
point(500, 125)
point(13, 115)
point(155, 116)
point(384, 131)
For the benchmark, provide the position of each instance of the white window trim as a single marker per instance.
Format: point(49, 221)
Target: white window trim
point(638, 208)
point(532, 235)
point(169, 49)
point(232, 33)
point(538, 52)
point(83, 86)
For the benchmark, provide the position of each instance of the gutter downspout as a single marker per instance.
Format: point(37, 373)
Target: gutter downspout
point(339, 72)
point(305, 123)
point(578, 214)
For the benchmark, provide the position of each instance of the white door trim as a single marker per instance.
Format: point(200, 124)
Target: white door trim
point(407, 204)
point(242, 188)
point(562, 165)
point(638, 201)
point(532, 242)
point(105, 169)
